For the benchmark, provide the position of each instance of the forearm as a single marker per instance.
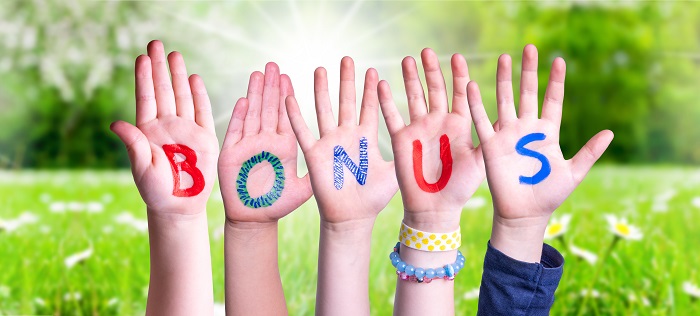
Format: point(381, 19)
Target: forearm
point(436, 297)
point(253, 284)
point(181, 278)
point(343, 268)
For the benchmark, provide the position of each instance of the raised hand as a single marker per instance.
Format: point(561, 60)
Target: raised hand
point(173, 151)
point(437, 165)
point(527, 173)
point(260, 137)
point(352, 184)
point(350, 179)
point(173, 147)
point(259, 184)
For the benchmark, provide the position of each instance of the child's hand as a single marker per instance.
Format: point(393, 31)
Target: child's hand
point(173, 147)
point(344, 195)
point(437, 174)
point(260, 130)
point(527, 173)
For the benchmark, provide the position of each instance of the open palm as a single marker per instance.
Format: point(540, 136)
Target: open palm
point(170, 114)
point(259, 125)
point(528, 175)
point(434, 183)
point(346, 199)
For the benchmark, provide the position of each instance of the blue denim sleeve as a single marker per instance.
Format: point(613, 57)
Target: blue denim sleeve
point(512, 287)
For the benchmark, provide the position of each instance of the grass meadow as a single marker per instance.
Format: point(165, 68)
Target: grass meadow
point(50, 217)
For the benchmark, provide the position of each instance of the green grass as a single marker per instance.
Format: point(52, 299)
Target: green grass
point(35, 280)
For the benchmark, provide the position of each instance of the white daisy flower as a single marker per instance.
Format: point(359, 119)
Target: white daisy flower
point(39, 301)
point(57, 207)
point(10, 225)
point(72, 296)
point(691, 289)
point(475, 202)
point(584, 254)
point(557, 226)
point(79, 257)
point(472, 294)
point(592, 293)
point(621, 228)
point(113, 301)
point(127, 219)
point(94, 207)
point(695, 201)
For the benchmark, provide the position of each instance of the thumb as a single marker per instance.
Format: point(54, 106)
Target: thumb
point(589, 154)
point(136, 143)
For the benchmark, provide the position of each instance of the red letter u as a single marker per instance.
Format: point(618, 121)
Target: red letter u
point(445, 157)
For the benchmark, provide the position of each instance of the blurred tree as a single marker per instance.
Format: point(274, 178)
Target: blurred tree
point(67, 70)
point(618, 77)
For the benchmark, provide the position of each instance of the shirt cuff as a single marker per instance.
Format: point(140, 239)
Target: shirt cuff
point(546, 272)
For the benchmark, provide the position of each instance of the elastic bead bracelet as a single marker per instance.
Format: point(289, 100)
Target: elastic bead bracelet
point(408, 272)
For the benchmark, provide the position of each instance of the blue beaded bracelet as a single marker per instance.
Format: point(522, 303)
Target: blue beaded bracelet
point(408, 272)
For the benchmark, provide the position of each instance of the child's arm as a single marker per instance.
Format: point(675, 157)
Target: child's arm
point(352, 184)
point(174, 135)
point(438, 170)
point(259, 184)
point(529, 178)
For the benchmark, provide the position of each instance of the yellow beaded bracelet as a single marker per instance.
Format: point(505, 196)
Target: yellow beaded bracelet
point(426, 241)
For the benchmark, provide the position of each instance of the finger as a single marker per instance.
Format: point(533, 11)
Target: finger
point(146, 108)
point(137, 145)
point(528, 83)
point(504, 90)
point(324, 112)
point(234, 133)
point(286, 89)
point(554, 96)
point(251, 126)
point(414, 89)
point(181, 86)
point(460, 79)
point(202, 106)
point(484, 130)
point(271, 98)
point(392, 117)
point(437, 93)
point(589, 154)
point(161, 80)
point(304, 136)
point(346, 111)
point(370, 101)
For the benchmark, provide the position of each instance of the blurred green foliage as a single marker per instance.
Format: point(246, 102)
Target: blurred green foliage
point(632, 68)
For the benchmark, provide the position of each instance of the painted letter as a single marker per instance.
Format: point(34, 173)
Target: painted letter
point(340, 158)
point(445, 157)
point(546, 167)
point(277, 187)
point(186, 165)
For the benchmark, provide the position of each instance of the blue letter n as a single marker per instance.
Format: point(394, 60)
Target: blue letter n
point(340, 158)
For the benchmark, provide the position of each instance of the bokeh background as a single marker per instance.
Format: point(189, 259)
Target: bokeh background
point(73, 234)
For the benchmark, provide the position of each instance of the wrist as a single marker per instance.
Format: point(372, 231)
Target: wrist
point(433, 221)
point(251, 232)
point(519, 238)
point(176, 217)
